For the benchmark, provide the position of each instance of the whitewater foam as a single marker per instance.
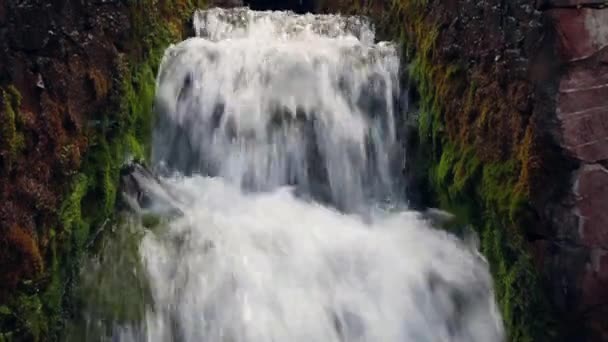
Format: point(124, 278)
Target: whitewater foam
point(277, 143)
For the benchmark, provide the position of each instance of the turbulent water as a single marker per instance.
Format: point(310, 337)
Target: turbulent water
point(278, 213)
point(269, 99)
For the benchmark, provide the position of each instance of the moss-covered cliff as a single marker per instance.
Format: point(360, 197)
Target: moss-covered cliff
point(487, 146)
point(510, 135)
point(482, 143)
point(77, 84)
point(511, 120)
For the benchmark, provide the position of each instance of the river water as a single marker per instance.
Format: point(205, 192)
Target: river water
point(277, 214)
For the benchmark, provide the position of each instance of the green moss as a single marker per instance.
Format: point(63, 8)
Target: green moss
point(101, 290)
point(70, 214)
point(53, 295)
point(485, 196)
point(484, 193)
point(23, 316)
point(410, 6)
point(12, 140)
point(29, 312)
point(488, 194)
point(151, 220)
point(36, 312)
point(125, 130)
point(122, 132)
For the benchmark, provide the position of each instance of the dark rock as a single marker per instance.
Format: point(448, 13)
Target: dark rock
point(591, 191)
point(571, 3)
point(34, 28)
point(3, 12)
point(229, 3)
point(298, 6)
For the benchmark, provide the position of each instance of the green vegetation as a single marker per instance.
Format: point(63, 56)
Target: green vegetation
point(491, 194)
point(24, 310)
point(481, 173)
point(486, 190)
point(485, 195)
point(100, 290)
point(12, 140)
point(121, 132)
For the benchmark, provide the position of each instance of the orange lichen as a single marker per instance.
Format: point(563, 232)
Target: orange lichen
point(101, 83)
point(21, 250)
point(82, 115)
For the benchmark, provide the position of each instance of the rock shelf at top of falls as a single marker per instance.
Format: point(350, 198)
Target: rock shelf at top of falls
point(277, 149)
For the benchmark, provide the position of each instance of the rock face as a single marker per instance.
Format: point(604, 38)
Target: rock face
point(543, 66)
point(582, 113)
point(57, 61)
point(76, 91)
point(513, 126)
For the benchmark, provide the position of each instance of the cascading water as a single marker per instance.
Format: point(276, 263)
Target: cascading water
point(268, 121)
point(265, 99)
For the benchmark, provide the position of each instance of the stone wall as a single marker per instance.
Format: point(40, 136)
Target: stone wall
point(579, 266)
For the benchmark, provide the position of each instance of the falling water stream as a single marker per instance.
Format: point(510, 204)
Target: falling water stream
point(276, 213)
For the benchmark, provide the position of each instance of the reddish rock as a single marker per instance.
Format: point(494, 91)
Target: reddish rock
point(591, 190)
point(582, 77)
point(586, 134)
point(583, 112)
point(47, 65)
point(582, 33)
point(595, 292)
point(573, 3)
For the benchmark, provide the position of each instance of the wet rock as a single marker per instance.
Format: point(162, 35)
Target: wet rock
point(39, 82)
point(438, 217)
point(132, 177)
point(147, 194)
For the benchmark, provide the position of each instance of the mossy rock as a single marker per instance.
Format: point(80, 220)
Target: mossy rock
point(119, 133)
point(12, 140)
point(489, 192)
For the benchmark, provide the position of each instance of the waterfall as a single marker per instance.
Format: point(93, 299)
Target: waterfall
point(278, 204)
point(265, 99)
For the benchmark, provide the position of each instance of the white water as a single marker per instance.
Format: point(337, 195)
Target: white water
point(263, 100)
